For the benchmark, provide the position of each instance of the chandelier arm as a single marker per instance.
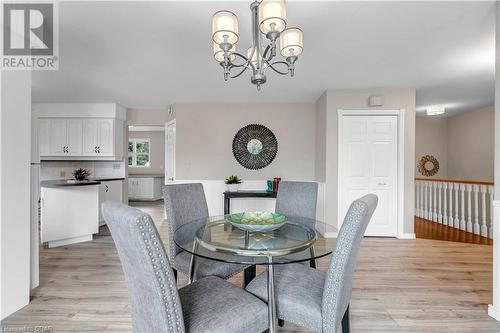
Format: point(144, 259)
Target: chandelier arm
point(264, 56)
point(241, 56)
point(271, 65)
point(241, 72)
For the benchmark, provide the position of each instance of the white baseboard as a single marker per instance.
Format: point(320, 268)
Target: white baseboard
point(493, 309)
point(407, 236)
point(494, 312)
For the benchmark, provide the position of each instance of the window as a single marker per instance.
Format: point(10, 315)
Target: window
point(138, 153)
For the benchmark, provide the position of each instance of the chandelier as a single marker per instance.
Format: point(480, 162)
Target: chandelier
point(269, 20)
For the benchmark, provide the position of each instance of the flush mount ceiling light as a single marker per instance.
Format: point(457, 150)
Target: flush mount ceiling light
point(435, 110)
point(269, 20)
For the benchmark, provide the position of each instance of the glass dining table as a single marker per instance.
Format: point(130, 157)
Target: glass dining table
point(214, 238)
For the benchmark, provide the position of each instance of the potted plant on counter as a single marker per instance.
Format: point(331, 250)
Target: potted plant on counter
point(81, 174)
point(233, 183)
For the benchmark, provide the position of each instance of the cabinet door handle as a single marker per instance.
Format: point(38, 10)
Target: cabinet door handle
point(98, 149)
point(107, 188)
point(95, 149)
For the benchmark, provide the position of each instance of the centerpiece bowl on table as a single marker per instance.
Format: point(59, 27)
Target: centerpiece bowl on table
point(257, 221)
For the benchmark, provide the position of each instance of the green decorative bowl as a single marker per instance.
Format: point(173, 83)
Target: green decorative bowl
point(257, 221)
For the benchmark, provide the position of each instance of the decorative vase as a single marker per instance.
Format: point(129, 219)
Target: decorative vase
point(233, 187)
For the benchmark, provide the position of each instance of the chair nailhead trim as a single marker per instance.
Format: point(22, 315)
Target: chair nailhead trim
point(162, 273)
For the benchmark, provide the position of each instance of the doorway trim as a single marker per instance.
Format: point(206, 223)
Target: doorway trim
point(171, 122)
point(400, 113)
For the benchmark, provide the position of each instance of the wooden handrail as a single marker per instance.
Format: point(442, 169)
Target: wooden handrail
point(444, 180)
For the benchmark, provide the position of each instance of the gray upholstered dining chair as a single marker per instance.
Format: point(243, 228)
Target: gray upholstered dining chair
point(297, 199)
point(210, 304)
point(186, 203)
point(314, 299)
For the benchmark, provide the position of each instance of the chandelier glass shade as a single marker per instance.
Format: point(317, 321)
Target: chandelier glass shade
point(269, 21)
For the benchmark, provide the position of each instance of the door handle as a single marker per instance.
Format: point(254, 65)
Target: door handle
point(382, 184)
point(171, 178)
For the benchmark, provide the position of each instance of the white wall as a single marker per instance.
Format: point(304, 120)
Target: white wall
point(205, 134)
point(494, 308)
point(157, 152)
point(431, 138)
point(394, 98)
point(15, 150)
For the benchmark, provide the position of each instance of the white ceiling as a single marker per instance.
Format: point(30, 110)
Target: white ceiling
point(151, 54)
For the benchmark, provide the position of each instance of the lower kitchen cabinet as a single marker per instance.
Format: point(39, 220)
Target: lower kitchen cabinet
point(109, 190)
point(145, 188)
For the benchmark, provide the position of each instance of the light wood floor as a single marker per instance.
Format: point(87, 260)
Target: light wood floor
point(399, 286)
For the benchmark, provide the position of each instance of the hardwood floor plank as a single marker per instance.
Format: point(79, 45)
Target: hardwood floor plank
point(403, 286)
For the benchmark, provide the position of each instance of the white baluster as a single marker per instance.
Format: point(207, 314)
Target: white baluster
point(445, 201)
point(439, 212)
point(426, 206)
point(469, 208)
point(418, 208)
point(422, 208)
point(491, 191)
point(456, 222)
point(434, 203)
point(431, 208)
point(450, 215)
point(462, 207)
point(477, 229)
point(484, 227)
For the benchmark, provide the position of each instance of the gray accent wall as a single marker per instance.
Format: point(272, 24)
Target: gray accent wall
point(431, 138)
point(205, 134)
point(463, 144)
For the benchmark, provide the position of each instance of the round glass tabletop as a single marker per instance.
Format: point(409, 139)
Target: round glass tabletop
point(300, 239)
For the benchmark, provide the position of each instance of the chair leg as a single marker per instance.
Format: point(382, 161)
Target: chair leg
point(281, 322)
point(175, 274)
point(249, 275)
point(346, 326)
point(312, 263)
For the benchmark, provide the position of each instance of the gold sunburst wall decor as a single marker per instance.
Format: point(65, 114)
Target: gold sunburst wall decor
point(428, 165)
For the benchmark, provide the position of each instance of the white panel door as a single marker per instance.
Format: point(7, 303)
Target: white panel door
point(58, 137)
point(105, 135)
point(170, 152)
point(43, 137)
point(369, 165)
point(74, 141)
point(90, 137)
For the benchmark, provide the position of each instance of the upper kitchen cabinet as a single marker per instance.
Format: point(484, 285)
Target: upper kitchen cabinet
point(88, 131)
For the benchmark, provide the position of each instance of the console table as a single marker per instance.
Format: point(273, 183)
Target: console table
point(244, 194)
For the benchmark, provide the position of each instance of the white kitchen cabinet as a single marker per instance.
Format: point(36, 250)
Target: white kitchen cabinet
point(90, 137)
point(81, 139)
point(74, 137)
point(105, 137)
point(58, 136)
point(145, 188)
point(44, 136)
point(110, 190)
